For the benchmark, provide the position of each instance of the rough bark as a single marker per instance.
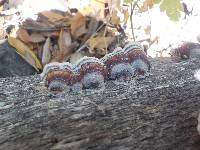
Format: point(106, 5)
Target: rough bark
point(158, 113)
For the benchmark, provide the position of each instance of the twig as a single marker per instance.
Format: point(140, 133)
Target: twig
point(131, 17)
point(37, 29)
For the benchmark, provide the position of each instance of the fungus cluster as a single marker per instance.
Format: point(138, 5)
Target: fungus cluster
point(91, 73)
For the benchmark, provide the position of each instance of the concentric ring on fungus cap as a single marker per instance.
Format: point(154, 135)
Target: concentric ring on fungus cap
point(92, 72)
point(60, 78)
point(118, 65)
point(137, 58)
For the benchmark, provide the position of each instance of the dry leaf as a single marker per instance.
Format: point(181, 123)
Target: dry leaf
point(81, 31)
point(33, 47)
point(103, 31)
point(24, 51)
point(60, 56)
point(77, 22)
point(99, 43)
point(93, 25)
point(147, 4)
point(36, 38)
point(33, 25)
point(46, 55)
point(23, 35)
point(39, 50)
point(52, 16)
point(102, 51)
point(64, 40)
point(51, 34)
point(114, 18)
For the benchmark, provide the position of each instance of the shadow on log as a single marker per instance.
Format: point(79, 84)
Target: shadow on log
point(158, 113)
point(11, 63)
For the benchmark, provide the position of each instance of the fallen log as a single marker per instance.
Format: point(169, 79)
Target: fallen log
point(159, 112)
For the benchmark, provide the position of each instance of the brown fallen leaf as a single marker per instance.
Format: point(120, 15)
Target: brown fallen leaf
point(103, 31)
point(64, 40)
point(25, 52)
point(33, 47)
point(102, 51)
point(23, 35)
point(50, 34)
point(114, 18)
point(147, 4)
point(51, 16)
point(77, 22)
point(93, 25)
point(39, 50)
point(62, 56)
point(46, 55)
point(80, 31)
point(36, 38)
point(34, 25)
point(99, 43)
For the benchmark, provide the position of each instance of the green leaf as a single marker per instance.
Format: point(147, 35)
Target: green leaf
point(172, 9)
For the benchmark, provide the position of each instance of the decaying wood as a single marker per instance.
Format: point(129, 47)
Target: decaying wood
point(158, 113)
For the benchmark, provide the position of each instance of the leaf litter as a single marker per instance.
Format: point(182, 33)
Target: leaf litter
point(56, 36)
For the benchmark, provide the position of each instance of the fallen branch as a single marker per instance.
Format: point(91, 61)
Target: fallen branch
point(159, 112)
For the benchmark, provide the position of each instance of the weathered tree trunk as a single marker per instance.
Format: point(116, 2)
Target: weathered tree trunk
point(158, 113)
